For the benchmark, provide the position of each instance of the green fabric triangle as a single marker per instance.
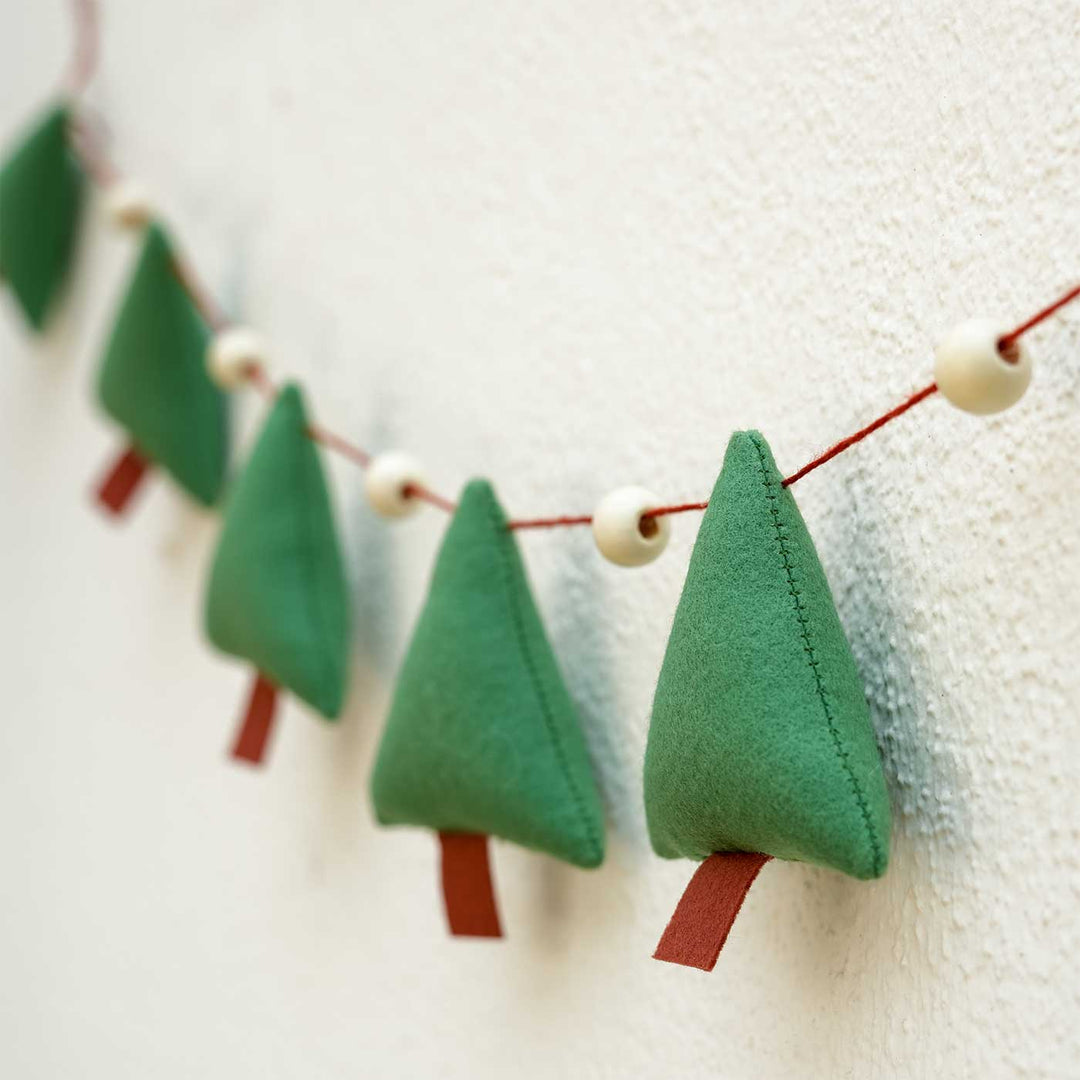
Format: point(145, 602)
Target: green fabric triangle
point(41, 192)
point(482, 735)
point(760, 737)
point(278, 595)
point(153, 377)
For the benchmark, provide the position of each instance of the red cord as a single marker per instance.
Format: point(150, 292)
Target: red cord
point(214, 316)
point(84, 56)
point(1013, 335)
point(417, 492)
point(551, 522)
point(870, 428)
point(335, 442)
point(88, 145)
point(682, 508)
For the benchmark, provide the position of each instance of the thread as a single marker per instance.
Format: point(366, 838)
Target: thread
point(84, 54)
point(1005, 343)
point(88, 144)
point(851, 440)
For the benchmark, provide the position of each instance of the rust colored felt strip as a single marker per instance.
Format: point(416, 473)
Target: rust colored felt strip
point(254, 734)
point(468, 891)
point(122, 480)
point(701, 923)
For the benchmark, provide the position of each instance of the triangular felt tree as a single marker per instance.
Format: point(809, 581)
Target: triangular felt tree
point(41, 193)
point(154, 382)
point(278, 595)
point(483, 738)
point(760, 742)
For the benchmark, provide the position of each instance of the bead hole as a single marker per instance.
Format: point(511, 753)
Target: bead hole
point(1009, 350)
point(648, 526)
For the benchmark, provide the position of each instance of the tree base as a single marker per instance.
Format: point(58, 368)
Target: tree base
point(468, 891)
point(122, 481)
point(704, 916)
point(254, 735)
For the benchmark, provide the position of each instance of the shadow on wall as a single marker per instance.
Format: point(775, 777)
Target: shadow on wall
point(837, 926)
point(582, 644)
point(882, 617)
point(346, 816)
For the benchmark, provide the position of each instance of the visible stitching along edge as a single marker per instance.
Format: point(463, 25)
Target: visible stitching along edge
point(534, 675)
point(815, 664)
point(317, 609)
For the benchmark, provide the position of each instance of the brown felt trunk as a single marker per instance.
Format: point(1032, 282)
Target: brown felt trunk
point(254, 735)
point(122, 481)
point(468, 891)
point(704, 916)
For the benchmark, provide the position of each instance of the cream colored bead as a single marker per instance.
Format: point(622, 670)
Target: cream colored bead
point(623, 536)
point(387, 482)
point(128, 204)
point(972, 373)
point(232, 354)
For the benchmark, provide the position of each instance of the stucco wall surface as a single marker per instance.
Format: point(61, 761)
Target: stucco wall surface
point(568, 246)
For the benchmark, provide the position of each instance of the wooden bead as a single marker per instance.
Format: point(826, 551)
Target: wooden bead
point(128, 204)
point(232, 354)
point(387, 482)
point(974, 374)
point(622, 534)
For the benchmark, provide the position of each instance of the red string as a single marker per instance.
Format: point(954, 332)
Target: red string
point(361, 457)
point(682, 508)
point(1013, 336)
point(214, 315)
point(332, 441)
point(439, 501)
point(88, 144)
point(550, 522)
point(84, 56)
point(870, 428)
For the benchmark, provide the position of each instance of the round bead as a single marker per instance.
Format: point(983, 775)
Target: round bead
point(972, 373)
point(128, 204)
point(232, 354)
point(623, 536)
point(387, 482)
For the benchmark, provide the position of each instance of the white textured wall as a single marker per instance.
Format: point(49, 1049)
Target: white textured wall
point(569, 245)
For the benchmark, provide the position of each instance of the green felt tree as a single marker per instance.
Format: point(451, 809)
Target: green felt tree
point(760, 740)
point(153, 382)
point(278, 595)
point(482, 737)
point(41, 194)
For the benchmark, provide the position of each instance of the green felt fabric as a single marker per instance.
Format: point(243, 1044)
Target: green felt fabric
point(153, 378)
point(760, 737)
point(278, 595)
point(482, 735)
point(41, 193)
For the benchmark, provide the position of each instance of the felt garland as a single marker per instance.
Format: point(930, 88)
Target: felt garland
point(153, 382)
point(482, 737)
point(277, 595)
point(760, 744)
point(760, 739)
point(41, 192)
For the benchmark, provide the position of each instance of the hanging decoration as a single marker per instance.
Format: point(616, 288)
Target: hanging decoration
point(153, 382)
point(760, 744)
point(483, 739)
point(278, 597)
point(760, 740)
point(41, 191)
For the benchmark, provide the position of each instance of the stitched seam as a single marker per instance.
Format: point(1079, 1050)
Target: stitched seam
point(316, 607)
point(815, 665)
point(190, 311)
point(502, 543)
